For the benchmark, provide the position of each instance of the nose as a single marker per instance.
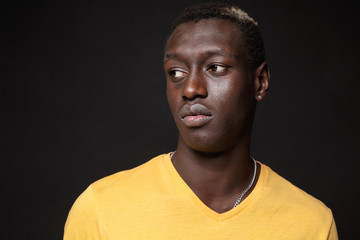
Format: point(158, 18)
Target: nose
point(194, 87)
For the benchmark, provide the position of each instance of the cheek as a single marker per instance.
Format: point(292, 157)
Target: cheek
point(171, 98)
point(235, 100)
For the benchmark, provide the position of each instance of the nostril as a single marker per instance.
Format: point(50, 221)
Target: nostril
point(193, 97)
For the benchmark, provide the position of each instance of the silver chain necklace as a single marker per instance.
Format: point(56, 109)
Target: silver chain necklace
point(238, 200)
point(248, 187)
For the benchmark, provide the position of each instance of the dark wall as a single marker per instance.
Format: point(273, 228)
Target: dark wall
point(83, 96)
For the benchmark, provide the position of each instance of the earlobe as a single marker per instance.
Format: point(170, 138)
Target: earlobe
point(261, 81)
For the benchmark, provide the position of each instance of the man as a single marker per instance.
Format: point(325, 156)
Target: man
point(210, 187)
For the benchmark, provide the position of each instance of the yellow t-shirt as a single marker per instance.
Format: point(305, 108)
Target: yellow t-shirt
point(153, 202)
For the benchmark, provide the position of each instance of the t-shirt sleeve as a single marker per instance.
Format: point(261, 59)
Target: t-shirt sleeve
point(333, 232)
point(83, 220)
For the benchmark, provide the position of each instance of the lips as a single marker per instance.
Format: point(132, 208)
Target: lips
point(195, 115)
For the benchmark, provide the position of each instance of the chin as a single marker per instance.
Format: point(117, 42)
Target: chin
point(206, 141)
point(207, 144)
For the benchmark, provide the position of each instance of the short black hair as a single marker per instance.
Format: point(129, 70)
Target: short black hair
point(248, 29)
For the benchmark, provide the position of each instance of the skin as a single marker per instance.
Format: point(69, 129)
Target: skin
point(205, 63)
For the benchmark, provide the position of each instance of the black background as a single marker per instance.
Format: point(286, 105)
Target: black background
point(84, 97)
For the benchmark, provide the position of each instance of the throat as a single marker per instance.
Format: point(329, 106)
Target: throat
point(220, 189)
point(219, 204)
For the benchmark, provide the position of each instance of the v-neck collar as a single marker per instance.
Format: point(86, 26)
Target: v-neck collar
point(205, 209)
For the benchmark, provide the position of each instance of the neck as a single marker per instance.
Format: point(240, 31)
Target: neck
point(216, 178)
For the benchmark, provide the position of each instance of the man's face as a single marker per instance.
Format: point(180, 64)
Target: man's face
point(209, 88)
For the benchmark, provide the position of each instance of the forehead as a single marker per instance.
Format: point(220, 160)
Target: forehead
point(206, 35)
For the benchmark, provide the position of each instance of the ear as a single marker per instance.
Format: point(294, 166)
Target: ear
point(261, 81)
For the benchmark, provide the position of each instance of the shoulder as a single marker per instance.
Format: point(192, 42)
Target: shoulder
point(126, 180)
point(119, 184)
point(279, 186)
point(88, 211)
point(292, 200)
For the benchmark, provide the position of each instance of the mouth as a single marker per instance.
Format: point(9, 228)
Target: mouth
point(195, 115)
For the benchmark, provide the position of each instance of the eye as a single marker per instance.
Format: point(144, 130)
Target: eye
point(177, 73)
point(216, 68)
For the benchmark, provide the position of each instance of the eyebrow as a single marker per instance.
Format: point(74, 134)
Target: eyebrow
point(218, 52)
point(207, 54)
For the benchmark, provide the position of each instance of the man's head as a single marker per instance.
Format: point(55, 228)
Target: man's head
point(250, 35)
point(211, 90)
